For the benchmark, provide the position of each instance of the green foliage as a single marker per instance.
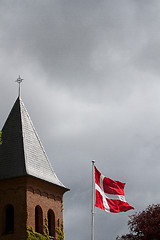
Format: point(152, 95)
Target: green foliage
point(60, 230)
point(0, 137)
point(46, 232)
point(32, 235)
point(62, 207)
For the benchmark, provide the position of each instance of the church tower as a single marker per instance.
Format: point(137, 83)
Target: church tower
point(30, 191)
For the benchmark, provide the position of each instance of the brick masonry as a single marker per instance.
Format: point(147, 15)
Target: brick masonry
point(25, 193)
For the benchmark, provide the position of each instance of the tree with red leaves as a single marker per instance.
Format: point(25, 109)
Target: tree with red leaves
point(144, 225)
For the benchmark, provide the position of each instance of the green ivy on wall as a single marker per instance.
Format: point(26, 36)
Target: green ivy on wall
point(32, 235)
point(0, 137)
point(60, 230)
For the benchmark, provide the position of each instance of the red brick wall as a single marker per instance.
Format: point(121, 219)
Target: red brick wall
point(13, 192)
point(25, 194)
point(47, 196)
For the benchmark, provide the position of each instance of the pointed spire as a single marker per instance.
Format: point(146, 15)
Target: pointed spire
point(22, 152)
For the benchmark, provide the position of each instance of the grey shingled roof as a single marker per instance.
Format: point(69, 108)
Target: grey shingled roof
point(21, 152)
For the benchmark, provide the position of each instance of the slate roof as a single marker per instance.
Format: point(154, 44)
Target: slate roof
point(21, 152)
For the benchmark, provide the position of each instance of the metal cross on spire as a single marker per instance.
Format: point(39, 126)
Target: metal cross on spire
point(19, 80)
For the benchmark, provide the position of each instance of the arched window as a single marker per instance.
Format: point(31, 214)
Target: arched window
point(38, 220)
point(51, 223)
point(9, 219)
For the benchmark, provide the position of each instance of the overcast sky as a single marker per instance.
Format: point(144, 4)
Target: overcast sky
point(91, 72)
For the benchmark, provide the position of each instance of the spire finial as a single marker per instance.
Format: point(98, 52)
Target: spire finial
point(19, 80)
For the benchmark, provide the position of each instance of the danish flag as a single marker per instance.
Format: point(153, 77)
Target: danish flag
point(110, 194)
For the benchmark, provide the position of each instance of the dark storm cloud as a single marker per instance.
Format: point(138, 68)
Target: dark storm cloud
point(92, 90)
point(79, 41)
point(89, 46)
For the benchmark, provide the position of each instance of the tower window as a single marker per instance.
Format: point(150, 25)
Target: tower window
point(9, 219)
point(38, 220)
point(51, 223)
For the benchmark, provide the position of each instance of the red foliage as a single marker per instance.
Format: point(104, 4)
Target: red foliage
point(147, 222)
point(145, 225)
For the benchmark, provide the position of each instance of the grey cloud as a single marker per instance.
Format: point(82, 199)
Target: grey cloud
point(92, 90)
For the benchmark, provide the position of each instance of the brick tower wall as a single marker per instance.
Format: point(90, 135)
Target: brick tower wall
point(13, 192)
point(45, 195)
point(24, 194)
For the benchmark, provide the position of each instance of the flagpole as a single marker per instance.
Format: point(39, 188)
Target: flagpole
point(93, 201)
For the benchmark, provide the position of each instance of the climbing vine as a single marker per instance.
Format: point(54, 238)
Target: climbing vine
point(0, 137)
point(32, 235)
point(60, 230)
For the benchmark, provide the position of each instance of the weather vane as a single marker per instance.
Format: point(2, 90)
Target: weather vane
point(19, 80)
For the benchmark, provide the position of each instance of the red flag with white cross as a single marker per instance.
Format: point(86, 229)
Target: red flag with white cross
point(109, 194)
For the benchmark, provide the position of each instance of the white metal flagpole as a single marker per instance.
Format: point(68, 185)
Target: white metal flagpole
point(93, 201)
